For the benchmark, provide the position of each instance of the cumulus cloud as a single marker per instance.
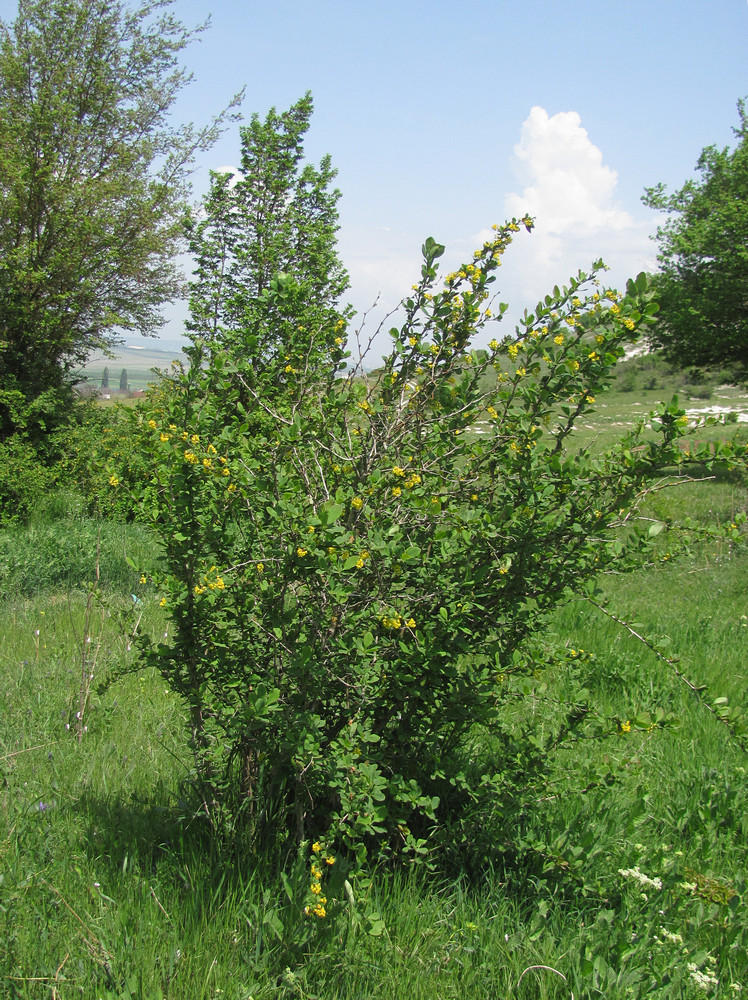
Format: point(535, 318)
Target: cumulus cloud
point(571, 193)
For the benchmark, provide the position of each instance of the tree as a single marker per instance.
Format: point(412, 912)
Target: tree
point(703, 279)
point(123, 380)
point(274, 216)
point(105, 377)
point(93, 187)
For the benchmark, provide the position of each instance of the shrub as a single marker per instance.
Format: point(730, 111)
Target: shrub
point(357, 567)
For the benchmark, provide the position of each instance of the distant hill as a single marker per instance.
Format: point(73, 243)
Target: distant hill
point(138, 362)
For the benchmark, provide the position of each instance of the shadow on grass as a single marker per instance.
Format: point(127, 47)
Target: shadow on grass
point(146, 832)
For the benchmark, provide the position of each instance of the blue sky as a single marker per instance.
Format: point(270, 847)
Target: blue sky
point(445, 117)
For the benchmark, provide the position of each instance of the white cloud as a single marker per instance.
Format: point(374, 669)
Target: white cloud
point(571, 194)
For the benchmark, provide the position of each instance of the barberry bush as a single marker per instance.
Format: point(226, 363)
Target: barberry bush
point(358, 566)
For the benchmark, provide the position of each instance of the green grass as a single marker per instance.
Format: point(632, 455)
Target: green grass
point(111, 886)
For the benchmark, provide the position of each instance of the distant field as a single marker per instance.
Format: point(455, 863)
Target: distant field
point(138, 362)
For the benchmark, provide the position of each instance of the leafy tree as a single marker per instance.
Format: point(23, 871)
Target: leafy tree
point(275, 215)
point(703, 279)
point(105, 377)
point(93, 188)
point(123, 380)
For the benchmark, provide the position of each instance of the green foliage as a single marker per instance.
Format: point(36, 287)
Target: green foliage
point(93, 186)
point(704, 260)
point(352, 572)
point(276, 215)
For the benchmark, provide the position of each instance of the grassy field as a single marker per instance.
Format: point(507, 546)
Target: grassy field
point(627, 867)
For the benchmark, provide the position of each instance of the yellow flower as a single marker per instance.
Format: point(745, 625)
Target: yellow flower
point(357, 503)
point(411, 623)
point(397, 471)
point(207, 463)
point(319, 911)
point(301, 552)
point(113, 481)
point(494, 345)
point(143, 578)
point(338, 341)
point(360, 564)
point(260, 568)
point(316, 888)
point(211, 450)
point(199, 590)
point(310, 530)
point(558, 339)
point(172, 427)
point(599, 339)
point(329, 860)
point(513, 351)
point(473, 496)
point(521, 372)
point(152, 424)
point(162, 602)
point(412, 480)
point(191, 457)
point(593, 356)
point(316, 847)
point(396, 491)
point(412, 341)
point(163, 436)
point(195, 438)
point(626, 726)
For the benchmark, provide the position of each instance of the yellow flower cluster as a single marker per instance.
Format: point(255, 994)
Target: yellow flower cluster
point(211, 581)
point(513, 351)
point(357, 503)
point(397, 622)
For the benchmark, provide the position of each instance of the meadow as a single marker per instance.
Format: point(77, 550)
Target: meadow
point(619, 871)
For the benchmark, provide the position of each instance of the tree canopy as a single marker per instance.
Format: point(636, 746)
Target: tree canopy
point(703, 280)
point(94, 181)
point(275, 216)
